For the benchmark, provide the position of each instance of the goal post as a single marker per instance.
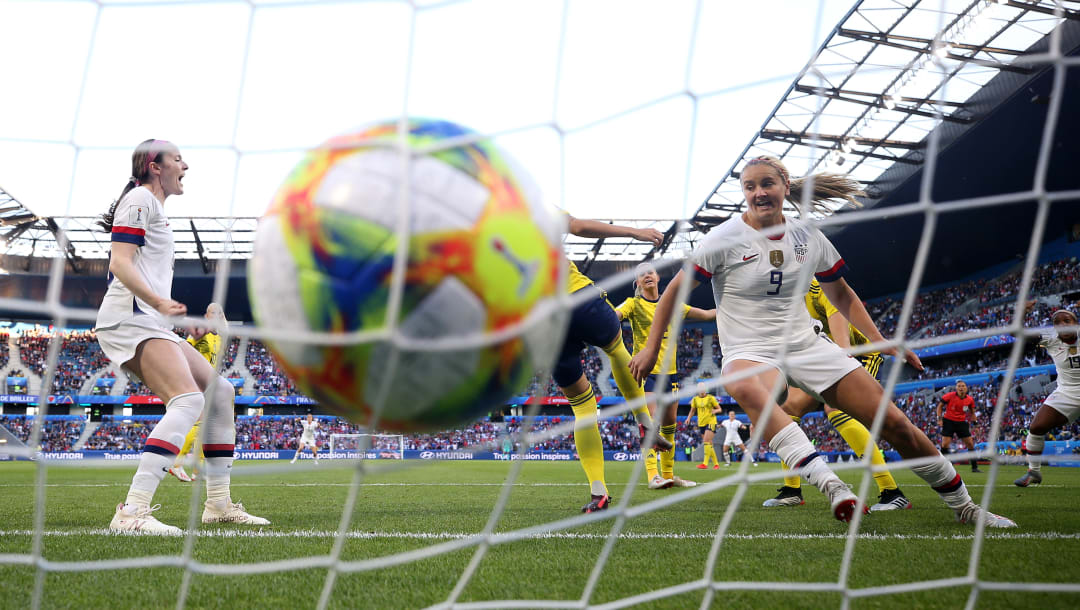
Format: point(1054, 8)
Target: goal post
point(387, 446)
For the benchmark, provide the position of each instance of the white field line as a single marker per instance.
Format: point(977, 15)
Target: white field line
point(128, 484)
point(248, 533)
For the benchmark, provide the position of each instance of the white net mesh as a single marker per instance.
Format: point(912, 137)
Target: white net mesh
point(572, 135)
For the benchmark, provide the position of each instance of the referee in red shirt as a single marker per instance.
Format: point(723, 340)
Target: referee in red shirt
point(958, 407)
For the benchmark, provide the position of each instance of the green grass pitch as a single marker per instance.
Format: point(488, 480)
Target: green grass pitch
point(424, 503)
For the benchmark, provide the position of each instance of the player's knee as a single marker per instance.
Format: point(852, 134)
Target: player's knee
point(748, 393)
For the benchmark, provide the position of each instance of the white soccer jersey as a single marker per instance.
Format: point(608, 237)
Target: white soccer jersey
point(754, 278)
point(1066, 359)
point(309, 428)
point(732, 427)
point(140, 219)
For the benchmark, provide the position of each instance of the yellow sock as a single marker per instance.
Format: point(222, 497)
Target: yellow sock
point(590, 448)
point(710, 454)
point(628, 387)
point(667, 458)
point(650, 464)
point(856, 435)
point(189, 441)
point(790, 480)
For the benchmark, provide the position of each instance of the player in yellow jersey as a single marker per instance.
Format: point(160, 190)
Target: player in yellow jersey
point(799, 403)
point(208, 344)
point(594, 322)
point(639, 310)
point(705, 407)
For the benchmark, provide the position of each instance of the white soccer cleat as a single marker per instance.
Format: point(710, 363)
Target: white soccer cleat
point(229, 512)
point(179, 473)
point(139, 520)
point(659, 482)
point(677, 482)
point(841, 500)
point(970, 513)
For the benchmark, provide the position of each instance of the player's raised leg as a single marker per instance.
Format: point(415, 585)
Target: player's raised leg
point(858, 395)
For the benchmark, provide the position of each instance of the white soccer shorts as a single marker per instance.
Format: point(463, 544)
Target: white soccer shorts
point(1065, 403)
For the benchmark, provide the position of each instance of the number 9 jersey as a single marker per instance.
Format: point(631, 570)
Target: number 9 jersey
point(754, 278)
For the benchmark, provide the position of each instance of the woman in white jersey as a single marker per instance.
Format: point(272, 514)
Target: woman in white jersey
point(1062, 406)
point(134, 332)
point(753, 262)
point(731, 427)
point(307, 439)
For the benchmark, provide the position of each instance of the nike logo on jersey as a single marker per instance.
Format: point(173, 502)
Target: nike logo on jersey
point(749, 258)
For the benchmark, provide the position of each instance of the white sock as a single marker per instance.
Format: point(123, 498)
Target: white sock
point(943, 478)
point(1035, 445)
point(163, 445)
point(220, 439)
point(727, 456)
point(795, 449)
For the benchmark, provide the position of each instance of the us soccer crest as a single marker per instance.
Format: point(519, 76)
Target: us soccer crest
point(800, 252)
point(776, 257)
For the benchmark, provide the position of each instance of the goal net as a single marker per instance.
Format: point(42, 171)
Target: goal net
point(596, 109)
point(367, 446)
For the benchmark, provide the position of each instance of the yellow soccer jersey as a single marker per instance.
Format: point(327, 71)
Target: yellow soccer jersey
point(820, 309)
point(705, 406)
point(576, 280)
point(639, 311)
point(209, 346)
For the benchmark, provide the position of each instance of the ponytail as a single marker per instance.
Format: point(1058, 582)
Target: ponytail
point(106, 221)
point(827, 186)
point(147, 152)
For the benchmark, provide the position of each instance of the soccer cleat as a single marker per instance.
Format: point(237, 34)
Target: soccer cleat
point(703, 466)
point(789, 496)
point(716, 466)
point(659, 443)
point(841, 500)
point(683, 482)
point(178, 472)
point(229, 512)
point(597, 503)
point(971, 512)
point(1031, 477)
point(659, 482)
point(976, 469)
point(140, 520)
point(891, 499)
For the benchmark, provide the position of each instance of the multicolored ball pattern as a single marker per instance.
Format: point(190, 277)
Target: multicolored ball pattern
point(481, 254)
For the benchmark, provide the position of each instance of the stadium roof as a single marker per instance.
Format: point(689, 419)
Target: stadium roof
point(865, 102)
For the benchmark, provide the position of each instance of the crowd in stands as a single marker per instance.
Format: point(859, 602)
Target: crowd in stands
point(270, 380)
point(994, 297)
point(57, 434)
point(975, 362)
point(79, 357)
point(4, 338)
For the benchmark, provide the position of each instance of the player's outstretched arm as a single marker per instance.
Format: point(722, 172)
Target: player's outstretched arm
point(701, 314)
point(594, 228)
point(850, 306)
point(645, 360)
point(838, 330)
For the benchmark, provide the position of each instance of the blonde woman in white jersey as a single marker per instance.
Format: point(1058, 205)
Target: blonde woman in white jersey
point(134, 333)
point(1062, 406)
point(753, 262)
point(307, 439)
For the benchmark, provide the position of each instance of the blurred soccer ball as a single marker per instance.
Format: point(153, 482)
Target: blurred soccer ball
point(481, 254)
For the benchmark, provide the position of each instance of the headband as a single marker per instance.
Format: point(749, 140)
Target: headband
point(152, 153)
point(780, 169)
point(1060, 311)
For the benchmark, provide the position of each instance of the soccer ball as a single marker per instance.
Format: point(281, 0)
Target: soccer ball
point(481, 256)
